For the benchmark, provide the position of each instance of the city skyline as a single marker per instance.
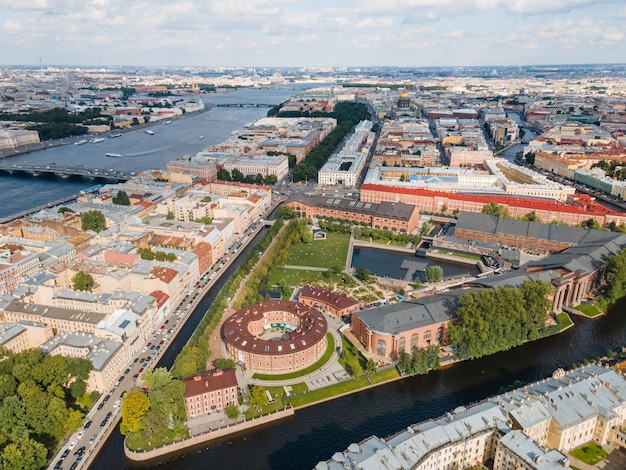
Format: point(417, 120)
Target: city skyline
point(285, 33)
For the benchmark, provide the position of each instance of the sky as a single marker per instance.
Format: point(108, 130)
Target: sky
point(297, 33)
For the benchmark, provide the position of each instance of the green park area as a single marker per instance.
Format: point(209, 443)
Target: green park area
point(564, 320)
point(589, 310)
point(590, 453)
point(329, 253)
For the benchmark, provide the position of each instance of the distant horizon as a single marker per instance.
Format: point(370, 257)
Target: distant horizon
point(290, 67)
point(435, 33)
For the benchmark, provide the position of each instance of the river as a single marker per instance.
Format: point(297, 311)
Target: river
point(314, 433)
point(139, 150)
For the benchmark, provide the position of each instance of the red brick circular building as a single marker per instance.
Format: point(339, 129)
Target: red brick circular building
point(276, 337)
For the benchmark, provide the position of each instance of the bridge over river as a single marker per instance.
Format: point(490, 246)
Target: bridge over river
point(65, 172)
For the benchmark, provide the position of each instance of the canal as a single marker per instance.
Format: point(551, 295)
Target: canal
point(315, 433)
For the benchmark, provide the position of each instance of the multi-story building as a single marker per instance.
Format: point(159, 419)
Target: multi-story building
point(249, 336)
point(571, 408)
point(405, 326)
point(327, 301)
point(210, 391)
point(387, 216)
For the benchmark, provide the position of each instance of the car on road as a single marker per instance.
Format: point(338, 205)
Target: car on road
point(145, 348)
point(65, 453)
point(92, 439)
point(74, 465)
point(148, 359)
point(87, 424)
point(81, 433)
point(80, 451)
point(141, 370)
point(72, 444)
point(116, 404)
point(100, 406)
point(58, 465)
point(135, 376)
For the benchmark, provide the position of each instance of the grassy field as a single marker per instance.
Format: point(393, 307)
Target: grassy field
point(321, 253)
point(564, 320)
point(589, 310)
point(384, 375)
point(328, 392)
point(591, 453)
point(142, 441)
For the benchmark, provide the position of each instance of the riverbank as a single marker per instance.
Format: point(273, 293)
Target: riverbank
point(193, 441)
point(46, 144)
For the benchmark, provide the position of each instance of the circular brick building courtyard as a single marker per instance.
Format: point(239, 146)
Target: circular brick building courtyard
point(276, 336)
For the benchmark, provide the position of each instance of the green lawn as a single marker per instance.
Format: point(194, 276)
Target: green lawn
point(328, 392)
point(564, 320)
point(292, 375)
point(301, 277)
point(591, 453)
point(384, 375)
point(142, 440)
point(589, 310)
point(321, 253)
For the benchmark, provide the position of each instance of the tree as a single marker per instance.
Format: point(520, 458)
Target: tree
point(169, 216)
point(23, 454)
point(82, 281)
point(257, 397)
point(307, 237)
point(354, 366)
point(93, 220)
point(65, 209)
point(204, 220)
point(223, 175)
point(370, 366)
point(121, 199)
point(285, 212)
point(433, 274)
point(134, 406)
point(493, 208)
point(531, 217)
point(232, 411)
point(362, 274)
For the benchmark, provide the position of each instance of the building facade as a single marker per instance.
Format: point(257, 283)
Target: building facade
point(276, 336)
point(210, 391)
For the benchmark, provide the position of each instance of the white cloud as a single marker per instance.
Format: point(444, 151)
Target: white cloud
point(12, 26)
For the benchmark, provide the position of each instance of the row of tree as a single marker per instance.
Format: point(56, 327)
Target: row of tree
point(348, 114)
point(615, 278)
point(498, 319)
point(194, 356)
point(420, 361)
point(38, 405)
point(236, 175)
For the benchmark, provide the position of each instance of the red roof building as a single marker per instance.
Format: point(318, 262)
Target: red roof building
point(209, 391)
point(327, 301)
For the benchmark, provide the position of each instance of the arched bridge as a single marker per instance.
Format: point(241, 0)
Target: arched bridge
point(65, 171)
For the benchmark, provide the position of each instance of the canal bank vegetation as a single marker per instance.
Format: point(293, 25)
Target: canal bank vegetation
point(195, 354)
point(156, 416)
point(499, 319)
point(615, 281)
